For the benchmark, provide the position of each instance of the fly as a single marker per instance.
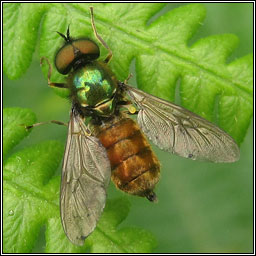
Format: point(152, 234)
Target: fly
point(104, 143)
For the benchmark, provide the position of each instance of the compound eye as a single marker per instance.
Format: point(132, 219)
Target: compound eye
point(87, 47)
point(64, 59)
point(80, 49)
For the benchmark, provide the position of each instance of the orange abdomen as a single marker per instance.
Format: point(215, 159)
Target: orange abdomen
point(135, 168)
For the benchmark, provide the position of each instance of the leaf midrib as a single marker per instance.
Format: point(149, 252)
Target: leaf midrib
point(32, 193)
point(110, 238)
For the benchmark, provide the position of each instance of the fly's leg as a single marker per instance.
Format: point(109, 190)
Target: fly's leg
point(128, 78)
point(110, 54)
point(56, 85)
point(51, 84)
point(52, 121)
point(125, 82)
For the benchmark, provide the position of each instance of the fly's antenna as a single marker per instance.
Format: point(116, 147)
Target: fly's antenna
point(67, 38)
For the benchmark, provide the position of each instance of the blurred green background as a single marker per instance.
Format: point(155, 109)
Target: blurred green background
point(203, 207)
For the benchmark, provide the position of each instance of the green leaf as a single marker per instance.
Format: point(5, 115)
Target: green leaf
point(14, 122)
point(31, 200)
point(165, 64)
point(106, 238)
point(125, 240)
point(30, 197)
point(21, 24)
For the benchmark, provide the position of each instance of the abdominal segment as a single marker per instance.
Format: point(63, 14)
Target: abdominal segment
point(135, 168)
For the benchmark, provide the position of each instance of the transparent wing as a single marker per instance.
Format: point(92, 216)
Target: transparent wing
point(85, 176)
point(179, 131)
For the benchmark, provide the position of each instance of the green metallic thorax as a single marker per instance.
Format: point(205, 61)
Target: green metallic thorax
point(93, 86)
